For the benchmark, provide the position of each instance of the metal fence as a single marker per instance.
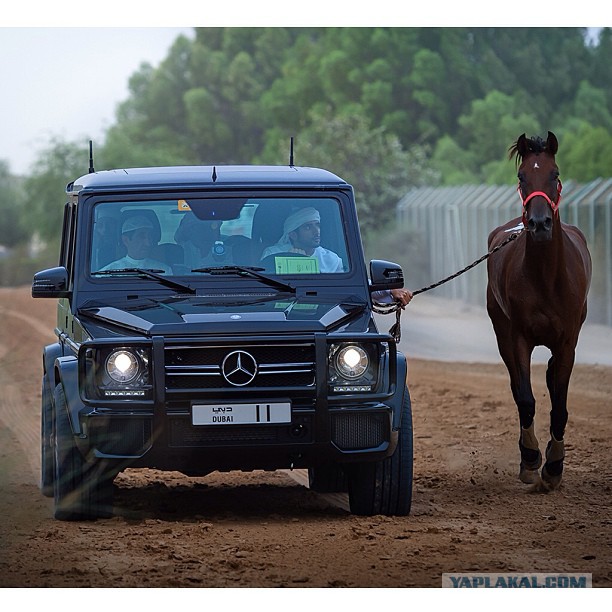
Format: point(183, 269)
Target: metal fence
point(454, 223)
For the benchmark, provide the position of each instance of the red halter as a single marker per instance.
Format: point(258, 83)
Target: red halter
point(553, 205)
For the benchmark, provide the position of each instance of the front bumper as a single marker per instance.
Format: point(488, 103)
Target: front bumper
point(349, 433)
point(324, 427)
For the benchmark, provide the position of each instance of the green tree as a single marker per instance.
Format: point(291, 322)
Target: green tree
point(13, 210)
point(600, 74)
point(45, 189)
point(232, 94)
point(585, 153)
point(428, 80)
point(492, 124)
point(150, 127)
point(591, 106)
point(455, 165)
point(203, 104)
point(367, 157)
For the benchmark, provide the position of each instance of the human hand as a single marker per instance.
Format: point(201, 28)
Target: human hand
point(403, 296)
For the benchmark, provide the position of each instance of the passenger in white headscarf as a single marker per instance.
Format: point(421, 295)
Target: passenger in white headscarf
point(302, 234)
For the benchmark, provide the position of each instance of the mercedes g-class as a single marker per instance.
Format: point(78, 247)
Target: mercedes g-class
point(199, 331)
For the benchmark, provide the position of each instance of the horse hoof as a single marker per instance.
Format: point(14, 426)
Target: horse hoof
point(553, 468)
point(551, 481)
point(531, 460)
point(529, 476)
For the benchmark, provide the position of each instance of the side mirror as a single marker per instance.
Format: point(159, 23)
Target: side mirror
point(385, 275)
point(51, 283)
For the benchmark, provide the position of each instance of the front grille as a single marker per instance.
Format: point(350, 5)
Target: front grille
point(353, 431)
point(192, 368)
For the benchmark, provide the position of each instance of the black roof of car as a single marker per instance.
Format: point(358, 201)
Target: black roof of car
point(203, 176)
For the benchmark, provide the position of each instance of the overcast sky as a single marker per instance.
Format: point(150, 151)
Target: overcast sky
point(67, 81)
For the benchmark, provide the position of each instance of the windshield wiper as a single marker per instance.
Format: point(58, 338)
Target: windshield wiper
point(250, 271)
point(148, 273)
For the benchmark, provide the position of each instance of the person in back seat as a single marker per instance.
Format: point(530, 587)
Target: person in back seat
point(202, 242)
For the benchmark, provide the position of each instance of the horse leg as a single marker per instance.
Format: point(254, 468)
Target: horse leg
point(531, 457)
point(557, 380)
point(518, 362)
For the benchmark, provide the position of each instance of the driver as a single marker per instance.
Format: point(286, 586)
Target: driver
point(302, 234)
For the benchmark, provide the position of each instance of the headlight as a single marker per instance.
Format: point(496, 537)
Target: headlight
point(122, 366)
point(353, 367)
point(112, 372)
point(352, 361)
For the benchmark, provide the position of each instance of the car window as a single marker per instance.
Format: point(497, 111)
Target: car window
point(285, 236)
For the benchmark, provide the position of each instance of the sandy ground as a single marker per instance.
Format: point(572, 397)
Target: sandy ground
point(470, 512)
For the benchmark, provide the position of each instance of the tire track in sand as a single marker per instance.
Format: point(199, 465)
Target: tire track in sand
point(20, 376)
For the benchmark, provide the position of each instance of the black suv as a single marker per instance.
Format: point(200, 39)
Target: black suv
point(200, 329)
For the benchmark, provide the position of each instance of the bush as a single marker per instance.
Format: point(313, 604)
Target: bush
point(19, 266)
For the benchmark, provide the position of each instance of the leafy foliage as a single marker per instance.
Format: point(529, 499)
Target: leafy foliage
point(60, 163)
point(370, 159)
point(11, 209)
point(231, 94)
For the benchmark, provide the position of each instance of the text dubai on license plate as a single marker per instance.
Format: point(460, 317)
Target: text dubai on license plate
point(241, 414)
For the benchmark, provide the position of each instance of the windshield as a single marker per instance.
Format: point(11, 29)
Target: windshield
point(279, 236)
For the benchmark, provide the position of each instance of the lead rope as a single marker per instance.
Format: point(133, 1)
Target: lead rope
point(396, 329)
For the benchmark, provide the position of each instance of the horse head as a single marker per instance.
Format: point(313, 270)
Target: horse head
point(539, 185)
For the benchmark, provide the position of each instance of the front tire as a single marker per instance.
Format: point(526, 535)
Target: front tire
point(47, 453)
point(385, 487)
point(81, 490)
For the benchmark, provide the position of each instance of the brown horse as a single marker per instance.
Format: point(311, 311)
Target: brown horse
point(537, 295)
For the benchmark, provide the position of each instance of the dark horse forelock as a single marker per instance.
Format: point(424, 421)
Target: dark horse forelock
point(535, 144)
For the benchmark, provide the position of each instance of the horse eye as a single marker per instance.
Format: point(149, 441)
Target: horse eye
point(521, 177)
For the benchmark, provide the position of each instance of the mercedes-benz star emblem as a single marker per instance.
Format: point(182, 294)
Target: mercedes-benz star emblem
point(239, 368)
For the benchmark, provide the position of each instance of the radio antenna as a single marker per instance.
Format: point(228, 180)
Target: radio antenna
point(214, 174)
point(91, 164)
point(291, 153)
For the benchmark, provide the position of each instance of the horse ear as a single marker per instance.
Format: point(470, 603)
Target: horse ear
point(552, 144)
point(522, 147)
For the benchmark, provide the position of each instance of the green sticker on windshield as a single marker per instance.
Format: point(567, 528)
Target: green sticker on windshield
point(296, 265)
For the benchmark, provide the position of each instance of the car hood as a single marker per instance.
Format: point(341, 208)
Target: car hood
point(195, 315)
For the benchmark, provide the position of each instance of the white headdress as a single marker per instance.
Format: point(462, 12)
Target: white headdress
point(297, 219)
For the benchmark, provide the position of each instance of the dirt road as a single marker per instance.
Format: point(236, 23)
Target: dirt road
point(470, 512)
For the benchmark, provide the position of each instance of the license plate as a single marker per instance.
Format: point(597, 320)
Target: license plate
point(241, 414)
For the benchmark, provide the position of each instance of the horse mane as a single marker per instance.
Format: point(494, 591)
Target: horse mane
point(535, 144)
